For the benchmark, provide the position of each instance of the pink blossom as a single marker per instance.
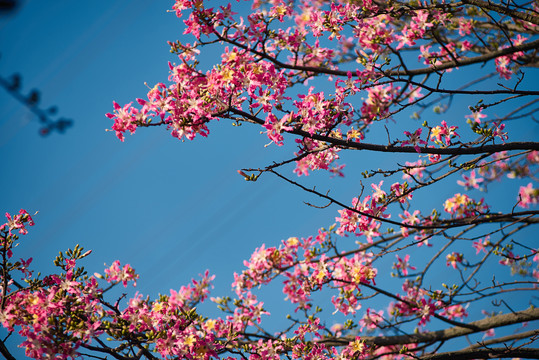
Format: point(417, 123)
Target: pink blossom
point(410, 219)
point(445, 132)
point(414, 139)
point(337, 329)
point(117, 273)
point(275, 127)
point(476, 116)
point(461, 205)
point(498, 132)
point(398, 190)
point(481, 245)
point(453, 259)
point(378, 194)
point(126, 119)
point(414, 169)
point(528, 195)
point(470, 181)
point(371, 319)
point(454, 311)
point(18, 222)
point(402, 265)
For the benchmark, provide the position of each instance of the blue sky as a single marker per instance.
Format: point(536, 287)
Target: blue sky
point(170, 209)
point(164, 206)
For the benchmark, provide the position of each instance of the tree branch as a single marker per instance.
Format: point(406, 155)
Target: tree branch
point(526, 353)
point(504, 10)
point(428, 70)
point(502, 339)
point(450, 333)
point(5, 352)
point(346, 144)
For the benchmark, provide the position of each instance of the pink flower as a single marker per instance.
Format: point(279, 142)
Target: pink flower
point(18, 222)
point(508, 259)
point(462, 205)
point(470, 181)
point(454, 258)
point(414, 139)
point(414, 169)
point(378, 194)
point(275, 127)
point(476, 116)
point(378, 101)
point(444, 132)
point(116, 273)
point(498, 132)
point(125, 119)
point(402, 265)
point(528, 195)
point(480, 245)
point(371, 319)
point(454, 311)
point(398, 190)
point(337, 329)
point(410, 219)
point(415, 93)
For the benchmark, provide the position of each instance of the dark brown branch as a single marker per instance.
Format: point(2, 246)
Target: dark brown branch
point(105, 349)
point(5, 352)
point(443, 224)
point(346, 144)
point(447, 65)
point(439, 317)
point(504, 10)
point(468, 61)
point(527, 334)
point(451, 333)
point(503, 352)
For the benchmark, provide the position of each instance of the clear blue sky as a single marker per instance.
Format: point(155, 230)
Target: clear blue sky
point(170, 209)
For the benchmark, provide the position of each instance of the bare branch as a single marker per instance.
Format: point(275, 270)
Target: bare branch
point(441, 335)
point(504, 10)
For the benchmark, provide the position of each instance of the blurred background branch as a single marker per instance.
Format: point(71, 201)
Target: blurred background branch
point(13, 85)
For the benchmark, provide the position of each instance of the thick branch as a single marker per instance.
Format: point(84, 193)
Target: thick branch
point(527, 334)
point(346, 144)
point(428, 70)
point(504, 10)
point(503, 352)
point(442, 335)
point(5, 352)
point(468, 61)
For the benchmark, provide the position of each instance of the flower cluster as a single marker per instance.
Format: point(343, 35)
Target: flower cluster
point(361, 218)
point(415, 303)
point(528, 195)
point(461, 205)
point(117, 273)
point(315, 156)
point(443, 134)
point(17, 222)
point(305, 274)
point(61, 312)
point(504, 63)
